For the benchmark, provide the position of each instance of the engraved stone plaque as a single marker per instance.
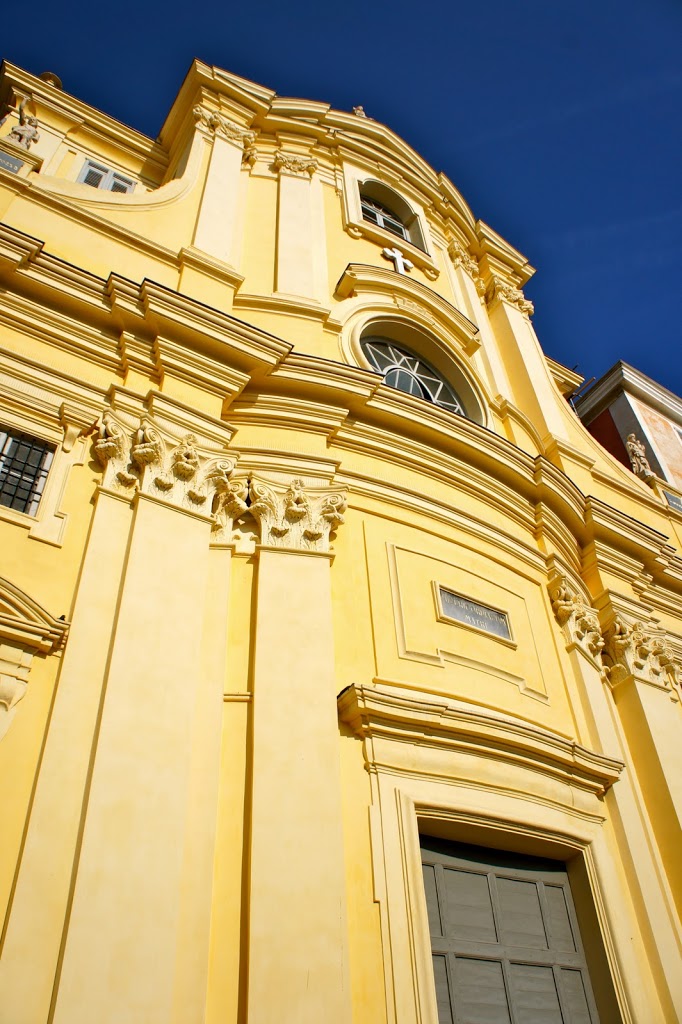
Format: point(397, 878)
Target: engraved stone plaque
point(471, 613)
point(10, 163)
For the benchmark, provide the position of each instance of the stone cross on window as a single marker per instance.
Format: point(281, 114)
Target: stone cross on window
point(402, 264)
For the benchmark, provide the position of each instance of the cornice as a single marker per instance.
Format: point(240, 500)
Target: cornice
point(495, 254)
point(566, 380)
point(24, 621)
point(76, 113)
point(623, 377)
point(358, 279)
point(77, 307)
point(379, 713)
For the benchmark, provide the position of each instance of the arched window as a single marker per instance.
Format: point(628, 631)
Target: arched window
point(376, 213)
point(387, 209)
point(405, 371)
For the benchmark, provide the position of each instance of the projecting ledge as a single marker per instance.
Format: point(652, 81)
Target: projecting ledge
point(374, 712)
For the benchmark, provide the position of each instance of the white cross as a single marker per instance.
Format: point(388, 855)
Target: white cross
point(402, 264)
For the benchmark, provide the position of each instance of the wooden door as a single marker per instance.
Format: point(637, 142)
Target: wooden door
point(505, 940)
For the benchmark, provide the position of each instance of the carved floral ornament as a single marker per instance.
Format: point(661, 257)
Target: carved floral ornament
point(217, 124)
point(624, 650)
point(178, 472)
point(499, 290)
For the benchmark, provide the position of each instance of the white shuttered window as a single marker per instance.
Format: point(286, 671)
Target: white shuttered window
point(102, 177)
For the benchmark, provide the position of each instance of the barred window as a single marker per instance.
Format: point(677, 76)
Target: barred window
point(24, 464)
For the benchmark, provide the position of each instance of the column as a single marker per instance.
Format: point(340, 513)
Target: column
point(298, 965)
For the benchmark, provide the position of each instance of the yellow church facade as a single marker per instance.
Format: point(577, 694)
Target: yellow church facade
point(340, 666)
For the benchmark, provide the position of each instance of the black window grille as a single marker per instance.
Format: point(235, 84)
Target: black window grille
point(24, 464)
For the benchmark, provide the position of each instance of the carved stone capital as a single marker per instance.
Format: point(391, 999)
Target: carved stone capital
point(294, 163)
point(213, 123)
point(499, 290)
point(177, 470)
point(634, 649)
point(296, 516)
point(461, 257)
point(578, 620)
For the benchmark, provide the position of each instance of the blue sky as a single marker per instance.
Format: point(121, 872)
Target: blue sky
point(559, 122)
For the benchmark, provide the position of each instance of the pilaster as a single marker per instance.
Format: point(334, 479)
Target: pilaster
point(297, 942)
point(628, 812)
point(301, 255)
point(215, 247)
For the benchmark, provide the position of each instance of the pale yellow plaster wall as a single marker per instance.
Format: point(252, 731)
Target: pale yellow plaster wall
point(182, 796)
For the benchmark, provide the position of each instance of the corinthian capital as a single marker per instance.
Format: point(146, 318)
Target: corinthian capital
point(637, 650)
point(294, 163)
point(296, 516)
point(499, 290)
point(461, 257)
point(578, 620)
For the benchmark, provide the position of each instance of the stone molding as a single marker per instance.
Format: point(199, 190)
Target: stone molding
point(380, 715)
point(296, 516)
point(294, 163)
point(461, 257)
point(499, 290)
point(26, 628)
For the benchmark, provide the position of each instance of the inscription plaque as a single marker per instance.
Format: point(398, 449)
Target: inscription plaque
point(471, 613)
point(10, 163)
point(674, 501)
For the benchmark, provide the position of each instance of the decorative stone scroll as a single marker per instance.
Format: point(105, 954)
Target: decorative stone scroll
point(501, 290)
point(634, 649)
point(296, 516)
point(217, 124)
point(294, 163)
point(578, 620)
point(461, 257)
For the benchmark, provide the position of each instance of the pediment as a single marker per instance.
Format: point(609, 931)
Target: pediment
point(24, 621)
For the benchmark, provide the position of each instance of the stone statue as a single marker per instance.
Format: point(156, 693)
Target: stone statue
point(26, 132)
point(638, 460)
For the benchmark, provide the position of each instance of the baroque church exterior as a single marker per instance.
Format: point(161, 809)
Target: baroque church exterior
point(340, 665)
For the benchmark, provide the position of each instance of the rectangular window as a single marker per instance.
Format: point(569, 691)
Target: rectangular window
point(24, 464)
point(102, 177)
point(504, 938)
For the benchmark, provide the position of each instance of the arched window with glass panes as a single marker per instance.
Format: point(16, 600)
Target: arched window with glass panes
point(405, 371)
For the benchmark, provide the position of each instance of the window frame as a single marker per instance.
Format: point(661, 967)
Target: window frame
point(427, 344)
point(421, 253)
point(110, 177)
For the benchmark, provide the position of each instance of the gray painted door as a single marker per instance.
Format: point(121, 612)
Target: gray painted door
point(505, 940)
